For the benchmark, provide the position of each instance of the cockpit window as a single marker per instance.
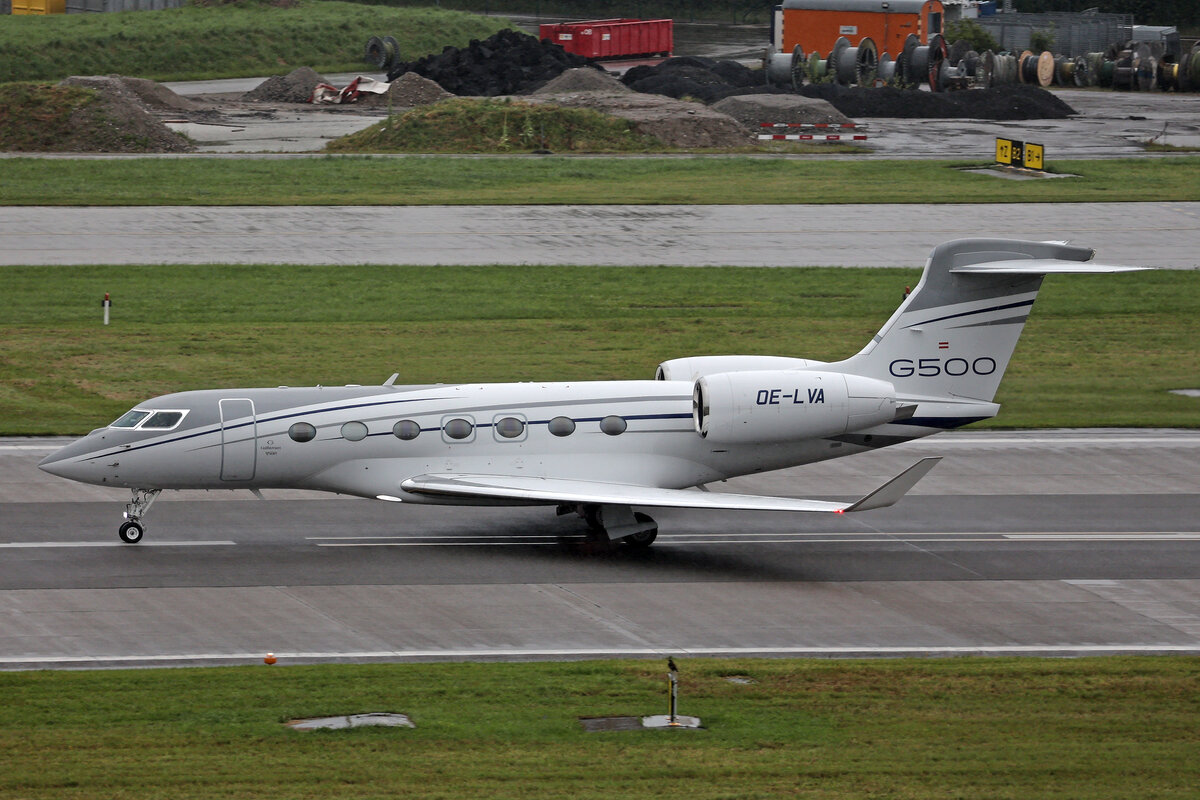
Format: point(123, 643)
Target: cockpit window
point(130, 419)
point(149, 420)
point(162, 421)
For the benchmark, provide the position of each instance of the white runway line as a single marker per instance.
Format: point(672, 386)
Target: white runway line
point(702, 539)
point(31, 545)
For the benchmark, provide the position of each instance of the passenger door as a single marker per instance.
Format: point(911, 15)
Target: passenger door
point(239, 439)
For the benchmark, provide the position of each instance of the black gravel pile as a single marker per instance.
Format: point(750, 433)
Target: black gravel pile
point(505, 63)
point(704, 79)
point(1019, 101)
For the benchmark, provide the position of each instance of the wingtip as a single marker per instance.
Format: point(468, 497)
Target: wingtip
point(897, 487)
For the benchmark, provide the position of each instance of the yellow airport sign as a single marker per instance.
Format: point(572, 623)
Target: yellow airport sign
point(1012, 153)
point(1034, 156)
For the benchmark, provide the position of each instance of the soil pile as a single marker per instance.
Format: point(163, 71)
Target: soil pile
point(703, 79)
point(754, 109)
point(507, 62)
point(295, 87)
point(109, 118)
point(584, 79)
point(501, 125)
point(154, 96)
point(1019, 101)
point(675, 122)
point(408, 91)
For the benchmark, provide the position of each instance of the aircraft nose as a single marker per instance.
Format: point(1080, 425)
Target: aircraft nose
point(57, 464)
point(65, 462)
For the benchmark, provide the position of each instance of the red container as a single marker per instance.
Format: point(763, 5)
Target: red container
point(613, 38)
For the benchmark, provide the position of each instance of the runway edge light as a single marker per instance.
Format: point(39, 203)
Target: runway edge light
point(269, 658)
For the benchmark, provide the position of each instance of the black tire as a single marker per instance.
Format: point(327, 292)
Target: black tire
point(640, 541)
point(131, 532)
point(376, 53)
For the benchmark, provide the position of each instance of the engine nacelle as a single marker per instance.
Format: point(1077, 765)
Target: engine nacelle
point(689, 369)
point(788, 405)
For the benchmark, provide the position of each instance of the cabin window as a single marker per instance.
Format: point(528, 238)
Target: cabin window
point(458, 428)
point(354, 431)
point(613, 425)
point(130, 419)
point(407, 429)
point(561, 426)
point(162, 421)
point(510, 427)
point(302, 432)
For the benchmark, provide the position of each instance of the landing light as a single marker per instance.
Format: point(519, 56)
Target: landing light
point(389, 498)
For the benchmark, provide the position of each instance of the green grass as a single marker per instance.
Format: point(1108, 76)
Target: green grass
point(362, 180)
point(1099, 350)
point(224, 41)
point(992, 728)
point(468, 125)
point(37, 116)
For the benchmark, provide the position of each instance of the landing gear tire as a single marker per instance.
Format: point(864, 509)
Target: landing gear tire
point(640, 541)
point(131, 532)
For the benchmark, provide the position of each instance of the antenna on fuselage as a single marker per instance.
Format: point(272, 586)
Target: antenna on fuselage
point(390, 381)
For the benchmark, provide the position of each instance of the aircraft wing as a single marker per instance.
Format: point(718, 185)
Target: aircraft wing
point(560, 490)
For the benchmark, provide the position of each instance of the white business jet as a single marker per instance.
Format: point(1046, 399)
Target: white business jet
point(604, 448)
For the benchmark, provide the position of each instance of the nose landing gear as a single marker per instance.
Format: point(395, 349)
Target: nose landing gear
point(131, 531)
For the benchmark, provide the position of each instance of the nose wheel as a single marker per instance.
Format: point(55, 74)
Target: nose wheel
point(131, 530)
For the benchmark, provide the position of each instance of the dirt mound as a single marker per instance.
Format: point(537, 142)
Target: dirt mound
point(583, 79)
point(754, 109)
point(118, 121)
point(1000, 103)
point(675, 122)
point(155, 95)
point(407, 91)
point(295, 87)
point(507, 62)
point(699, 78)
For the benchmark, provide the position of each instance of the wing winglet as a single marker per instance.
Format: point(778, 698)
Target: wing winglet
point(506, 489)
point(897, 487)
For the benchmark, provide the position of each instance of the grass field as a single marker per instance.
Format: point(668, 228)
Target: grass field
point(225, 40)
point(537, 179)
point(980, 728)
point(1099, 350)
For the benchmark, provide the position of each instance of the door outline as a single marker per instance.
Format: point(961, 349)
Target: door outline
point(239, 447)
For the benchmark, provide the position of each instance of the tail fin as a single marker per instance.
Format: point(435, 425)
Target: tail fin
point(952, 337)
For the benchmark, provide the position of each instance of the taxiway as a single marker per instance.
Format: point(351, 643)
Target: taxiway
point(1145, 234)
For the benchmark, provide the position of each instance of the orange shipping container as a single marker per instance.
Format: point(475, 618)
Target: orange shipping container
point(39, 6)
point(817, 24)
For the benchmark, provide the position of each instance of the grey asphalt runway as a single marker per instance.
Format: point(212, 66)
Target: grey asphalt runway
point(1060, 542)
point(1144, 234)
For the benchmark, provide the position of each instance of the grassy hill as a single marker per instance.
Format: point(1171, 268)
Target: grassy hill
point(224, 41)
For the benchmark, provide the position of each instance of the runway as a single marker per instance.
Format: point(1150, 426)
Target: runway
point(1143, 234)
point(1055, 542)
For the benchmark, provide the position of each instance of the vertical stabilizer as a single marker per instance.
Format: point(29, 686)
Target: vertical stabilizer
point(953, 336)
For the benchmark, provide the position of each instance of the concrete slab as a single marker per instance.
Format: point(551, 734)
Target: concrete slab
point(375, 719)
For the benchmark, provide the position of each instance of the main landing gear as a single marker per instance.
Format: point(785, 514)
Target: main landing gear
point(619, 523)
point(131, 530)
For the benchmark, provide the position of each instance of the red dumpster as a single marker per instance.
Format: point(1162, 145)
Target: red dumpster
point(612, 38)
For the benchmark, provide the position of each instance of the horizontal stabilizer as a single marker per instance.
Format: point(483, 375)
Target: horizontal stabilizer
point(1040, 266)
point(518, 488)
